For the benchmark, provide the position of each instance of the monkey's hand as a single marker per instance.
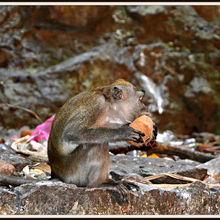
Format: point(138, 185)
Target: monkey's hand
point(131, 134)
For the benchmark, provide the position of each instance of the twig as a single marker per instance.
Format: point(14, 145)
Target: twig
point(23, 108)
point(173, 186)
point(182, 151)
point(173, 175)
point(14, 181)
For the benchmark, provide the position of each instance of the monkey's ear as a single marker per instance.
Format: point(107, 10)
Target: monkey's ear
point(117, 93)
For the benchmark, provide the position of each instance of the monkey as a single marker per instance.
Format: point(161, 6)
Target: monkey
point(78, 148)
point(78, 144)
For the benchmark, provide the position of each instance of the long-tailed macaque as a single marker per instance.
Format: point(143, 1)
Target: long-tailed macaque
point(78, 148)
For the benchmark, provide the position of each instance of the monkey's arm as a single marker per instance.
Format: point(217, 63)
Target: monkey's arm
point(103, 135)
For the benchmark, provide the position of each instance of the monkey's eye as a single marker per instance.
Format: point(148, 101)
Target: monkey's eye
point(117, 93)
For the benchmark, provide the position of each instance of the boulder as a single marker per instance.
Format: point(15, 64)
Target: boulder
point(6, 168)
point(67, 199)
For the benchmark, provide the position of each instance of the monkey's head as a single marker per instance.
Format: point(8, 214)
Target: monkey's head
point(125, 101)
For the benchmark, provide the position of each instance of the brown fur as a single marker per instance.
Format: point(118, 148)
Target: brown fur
point(78, 143)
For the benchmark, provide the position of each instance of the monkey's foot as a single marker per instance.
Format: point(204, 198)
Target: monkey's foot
point(117, 190)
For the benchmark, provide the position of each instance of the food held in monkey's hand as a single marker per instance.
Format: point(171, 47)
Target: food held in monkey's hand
point(144, 124)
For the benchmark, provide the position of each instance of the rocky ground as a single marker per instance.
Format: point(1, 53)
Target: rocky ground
point(169, 185)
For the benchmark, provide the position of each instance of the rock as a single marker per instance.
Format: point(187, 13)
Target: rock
point(147, 10)
point(209, 13)
point(10, 156)
point(213, 167)
point(67, 199)
point(134, 198)
point(6, 168)
point(125, 166)
point(197, 85)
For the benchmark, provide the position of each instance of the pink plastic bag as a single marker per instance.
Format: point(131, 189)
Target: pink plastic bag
point(43, 130)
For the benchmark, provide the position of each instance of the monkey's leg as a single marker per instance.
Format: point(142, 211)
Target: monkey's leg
point(99, 165)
